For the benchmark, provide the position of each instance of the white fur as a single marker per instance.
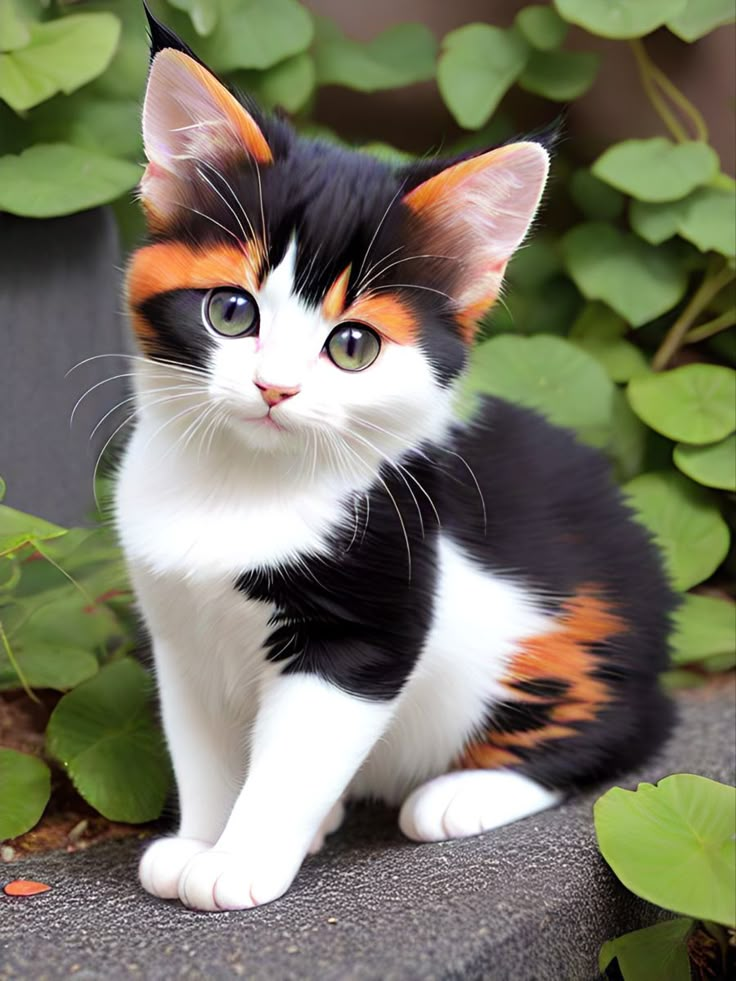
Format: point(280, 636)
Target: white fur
point(262, 759)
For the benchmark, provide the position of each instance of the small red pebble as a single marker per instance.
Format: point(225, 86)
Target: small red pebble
point(25, 887)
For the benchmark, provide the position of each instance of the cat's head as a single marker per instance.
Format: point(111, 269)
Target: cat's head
point(315, 299)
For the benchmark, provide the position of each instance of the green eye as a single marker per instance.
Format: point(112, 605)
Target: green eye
point(353, 346)
point(231, 312)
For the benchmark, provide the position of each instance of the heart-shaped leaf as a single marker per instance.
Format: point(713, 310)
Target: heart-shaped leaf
point(46, 664)
point(657, 169)
point(704, 627)
point(700, 17)
point(673, 844)
point(478, 65)
point(52, 179)
point(399, 56)
point(619, 18)
point(707, 218)
point(61, 56)
point(103, 733)
point(713, 466)
point(656, 953)
point(559, 75)
point(548, 374)
point(542, 27)
point(26, 786)
point(256, 34)
point(695, 403)
point(637, 281)
point(685, 523)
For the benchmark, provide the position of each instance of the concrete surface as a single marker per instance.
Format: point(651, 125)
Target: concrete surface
point(530, 901)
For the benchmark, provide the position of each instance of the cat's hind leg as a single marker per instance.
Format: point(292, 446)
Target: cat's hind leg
point(468, 802)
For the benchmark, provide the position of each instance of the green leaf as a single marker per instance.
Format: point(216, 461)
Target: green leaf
point(26, 784)
point(673, 844)
point(47, 665)
point(599, 331)
point(619, 18)
point(256, 34)
point(548, 374)
point(478, 64)
point(704, 627)
point(595, 198)
point(3, 488)
point(202, 13)
point(18, 529)
point(559, 75)
point(713, 466)
point(62, 55)
point(707, 218)
point(686, 525)
point(399, 56)
point(288, 85)
point(657, 169)
point(14, 32)
point(52, 179)
point(695, 403)
point(700, 17)
point(656, 953)
point(103, 733)
point(636, 280)
point(542, 27)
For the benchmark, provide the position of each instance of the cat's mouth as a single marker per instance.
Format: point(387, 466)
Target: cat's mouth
point(266, 421)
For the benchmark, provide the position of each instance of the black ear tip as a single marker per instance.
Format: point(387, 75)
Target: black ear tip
point(162, 37)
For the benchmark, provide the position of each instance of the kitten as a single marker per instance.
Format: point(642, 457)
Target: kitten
point(351, 594)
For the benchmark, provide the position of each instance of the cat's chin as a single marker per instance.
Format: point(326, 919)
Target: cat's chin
point(266, 435)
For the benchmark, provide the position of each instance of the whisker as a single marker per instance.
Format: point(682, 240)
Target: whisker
point(408, 258)
point(133, 398)
point(390, 205)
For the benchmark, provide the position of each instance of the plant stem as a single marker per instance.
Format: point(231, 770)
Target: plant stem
point(713, 282)
point(715, 326)
point(16, 667)
point(682, 102)
point(90, 599)
point(648, 78)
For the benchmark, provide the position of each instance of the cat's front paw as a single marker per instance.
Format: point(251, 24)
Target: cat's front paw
point(224, 880)
point(163, 862)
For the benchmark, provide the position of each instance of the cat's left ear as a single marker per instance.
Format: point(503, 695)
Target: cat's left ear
point(479, 211)
point(190, 123)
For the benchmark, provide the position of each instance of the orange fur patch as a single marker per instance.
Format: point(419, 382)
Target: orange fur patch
point(334, 301)
point(562, 654)
point(175, 265)
point(388, 314)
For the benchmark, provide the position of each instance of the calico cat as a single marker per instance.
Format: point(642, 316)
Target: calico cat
point(350, 593)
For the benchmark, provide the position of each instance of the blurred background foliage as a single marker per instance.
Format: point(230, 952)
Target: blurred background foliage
point(619, 312)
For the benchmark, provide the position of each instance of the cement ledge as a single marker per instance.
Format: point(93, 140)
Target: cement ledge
point(530, 901)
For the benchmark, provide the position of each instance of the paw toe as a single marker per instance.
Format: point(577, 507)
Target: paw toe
point(163, 862)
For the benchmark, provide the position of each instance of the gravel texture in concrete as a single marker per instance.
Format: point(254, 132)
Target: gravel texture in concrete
point(530, 901)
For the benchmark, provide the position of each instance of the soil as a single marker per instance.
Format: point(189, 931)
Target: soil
point(68, 823)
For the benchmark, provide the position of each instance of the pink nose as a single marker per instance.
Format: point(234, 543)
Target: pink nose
point(273, 394)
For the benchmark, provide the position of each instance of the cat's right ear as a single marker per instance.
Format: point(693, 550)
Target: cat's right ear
point(191, 122)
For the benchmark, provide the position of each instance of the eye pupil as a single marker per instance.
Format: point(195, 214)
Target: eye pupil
point(353, 347)
point(231, 312)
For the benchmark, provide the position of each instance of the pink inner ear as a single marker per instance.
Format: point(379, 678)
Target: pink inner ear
point(189, 117)
point(480, 210)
